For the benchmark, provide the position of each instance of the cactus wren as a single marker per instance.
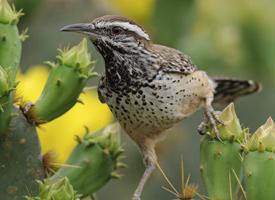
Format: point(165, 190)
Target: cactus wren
point(149, 87)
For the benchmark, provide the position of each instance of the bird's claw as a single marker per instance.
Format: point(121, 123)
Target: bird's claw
point(212, 119)
point(202, 128)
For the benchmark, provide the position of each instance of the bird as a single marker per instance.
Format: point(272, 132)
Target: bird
point(150, 87)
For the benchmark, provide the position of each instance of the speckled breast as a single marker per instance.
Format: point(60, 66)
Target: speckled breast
point(161, 103)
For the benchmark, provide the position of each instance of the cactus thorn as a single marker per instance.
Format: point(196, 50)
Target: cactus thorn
point(244, 148)
point(118, 153)
point(87, 130)
point(115, 175)
point(50, 64)
point(83, 77)
point(122, 157)
point(78, 139)
point(80, 101)
point(24, 35)
point(12, 115)
point(11, 90)
point(121, 165)
point(93, 74)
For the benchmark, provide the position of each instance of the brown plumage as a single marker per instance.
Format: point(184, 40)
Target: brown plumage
point(150, 87)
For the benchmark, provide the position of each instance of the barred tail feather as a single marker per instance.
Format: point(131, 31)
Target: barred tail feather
point(227, 89)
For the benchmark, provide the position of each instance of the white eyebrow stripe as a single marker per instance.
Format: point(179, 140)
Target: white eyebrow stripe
point(127, 26)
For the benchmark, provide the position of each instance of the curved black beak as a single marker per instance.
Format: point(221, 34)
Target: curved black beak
point(85, 28)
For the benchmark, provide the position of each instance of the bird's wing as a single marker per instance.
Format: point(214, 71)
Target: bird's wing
point(228, 89)
point(174, 61)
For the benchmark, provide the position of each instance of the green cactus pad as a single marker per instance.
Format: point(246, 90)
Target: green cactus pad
point(20, 160)
point(259, 163)
point(10, 49)
point(65, 83)
point(93, 162)
point(59, 190)
point(10, 54)
point(219, 160)
point(259, 175)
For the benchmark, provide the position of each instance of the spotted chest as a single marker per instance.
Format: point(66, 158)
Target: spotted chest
point(158, 105)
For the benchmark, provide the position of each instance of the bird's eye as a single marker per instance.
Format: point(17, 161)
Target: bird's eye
point(116, 30)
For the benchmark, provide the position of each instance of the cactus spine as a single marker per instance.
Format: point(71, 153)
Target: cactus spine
point(218, 160)
point(259, 163)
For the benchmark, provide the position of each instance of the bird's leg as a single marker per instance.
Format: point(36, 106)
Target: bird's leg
point(202, 128)
point(149, 157)
point(211, 117)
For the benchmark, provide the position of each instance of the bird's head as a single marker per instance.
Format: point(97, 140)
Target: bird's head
point(112, 33)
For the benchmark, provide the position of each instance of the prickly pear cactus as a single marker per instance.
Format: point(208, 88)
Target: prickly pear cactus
point(10, 54)
point(259, 163)
point(20, 160)
point(23, 172)
point(219, 160)
point(66, 81)
point(94, 161)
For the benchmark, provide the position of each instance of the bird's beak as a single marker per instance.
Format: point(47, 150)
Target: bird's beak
point(85, 28)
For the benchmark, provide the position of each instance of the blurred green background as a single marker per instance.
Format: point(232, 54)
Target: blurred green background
point(225, 38)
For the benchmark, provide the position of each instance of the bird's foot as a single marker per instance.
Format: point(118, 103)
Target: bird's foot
point(213, 119)
point(202, 128)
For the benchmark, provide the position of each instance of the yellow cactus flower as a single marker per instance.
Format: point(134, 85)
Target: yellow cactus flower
point(58, 135)
point(140, 10)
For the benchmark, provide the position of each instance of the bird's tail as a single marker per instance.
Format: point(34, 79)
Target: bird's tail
point(227, 89)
